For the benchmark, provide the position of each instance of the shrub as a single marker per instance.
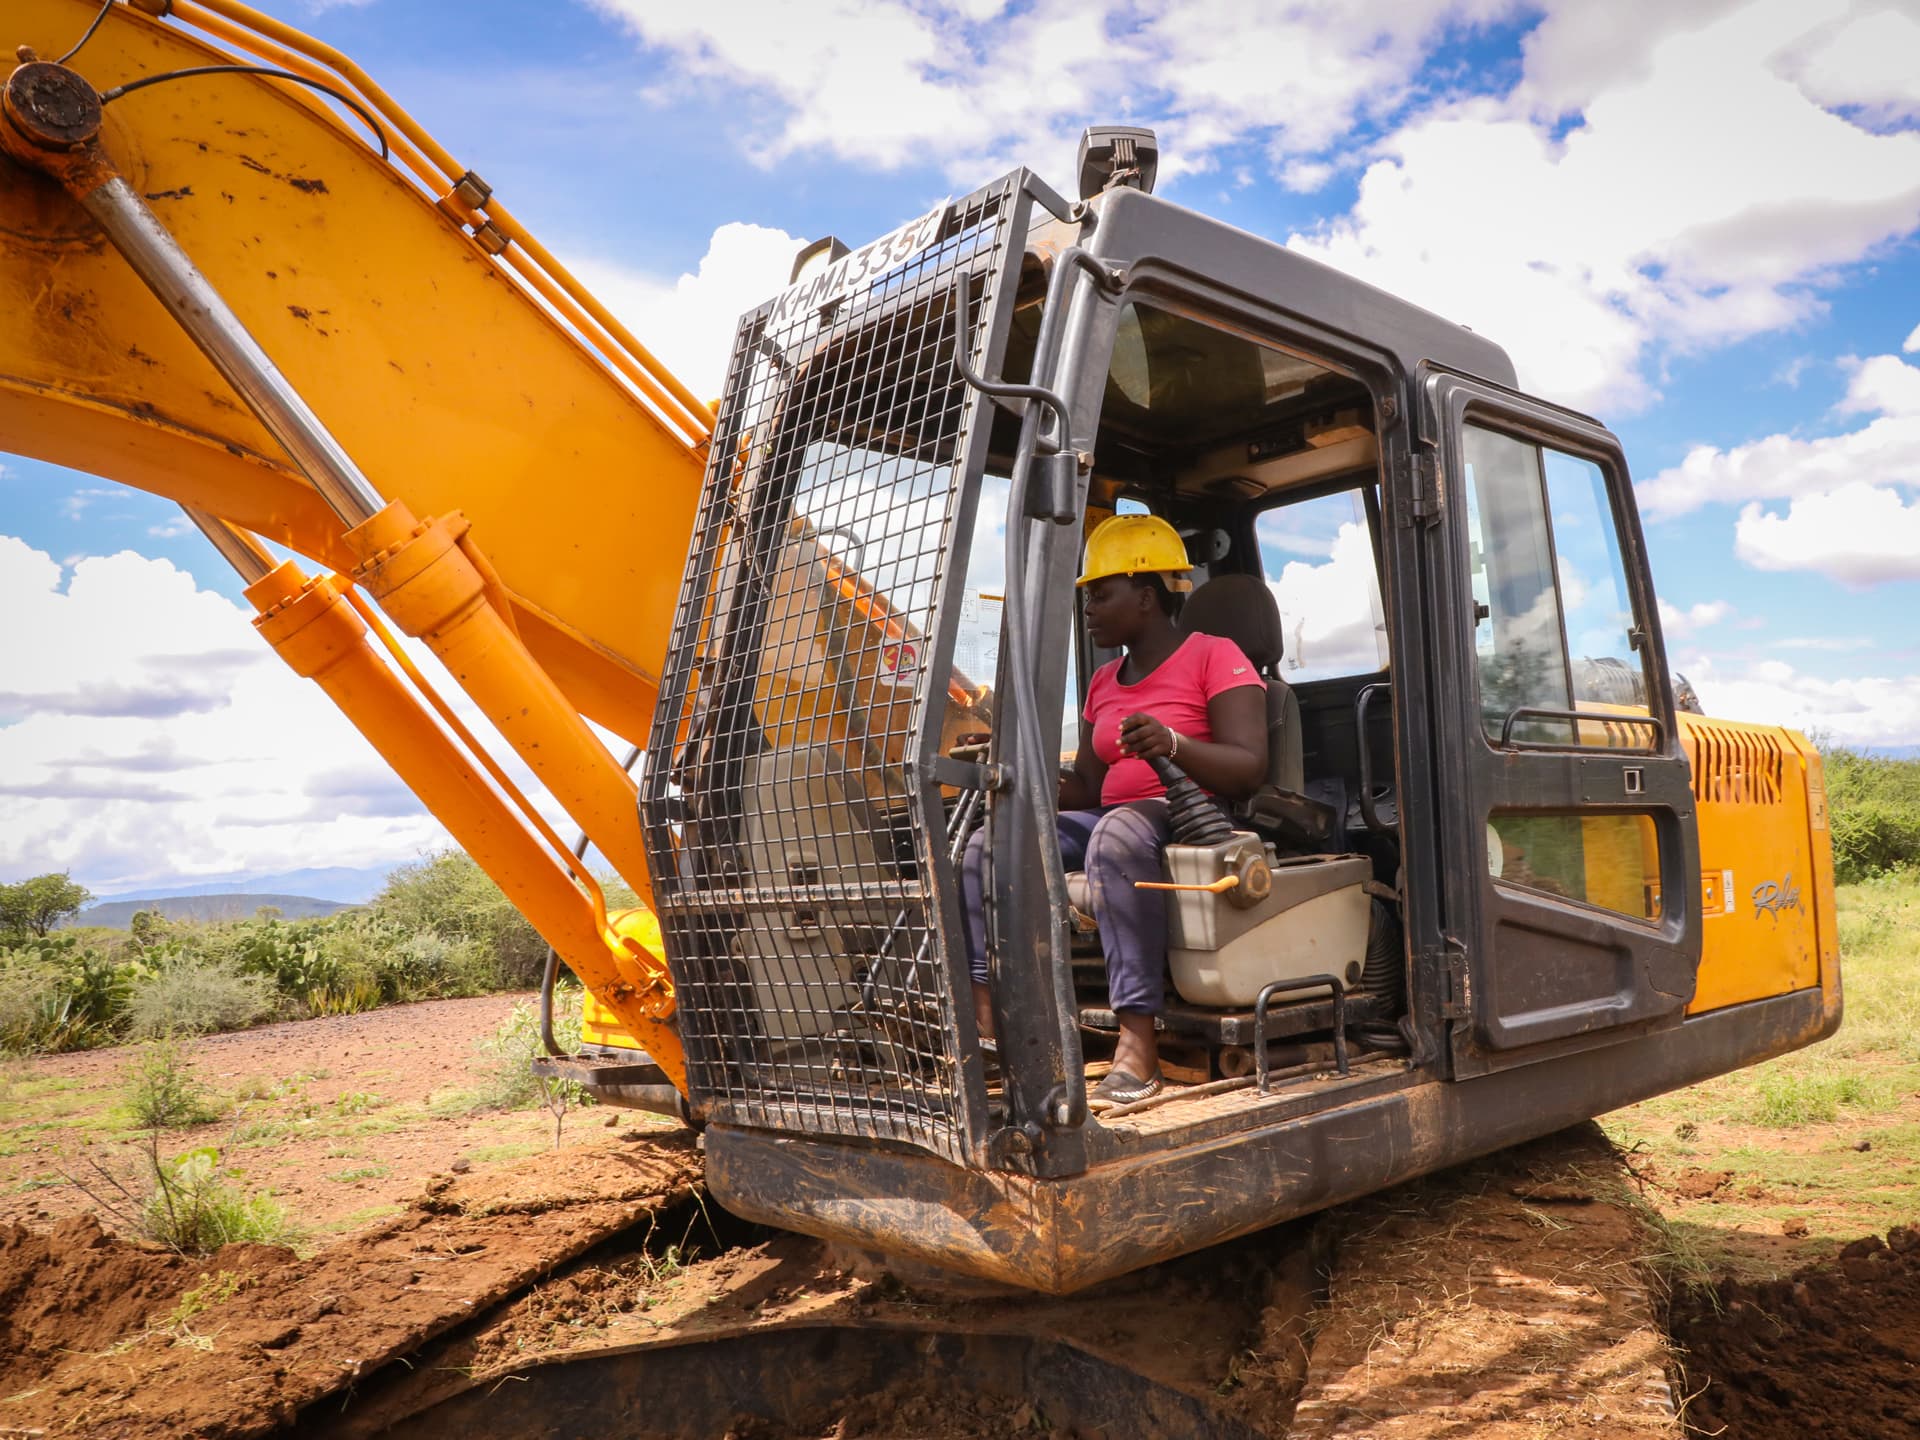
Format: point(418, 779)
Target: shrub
point(162, 1091)
point(197, 997)
point(452, 897)
point(347, 997)
point(195, 1208)
point(1873, 804)
point(293, 955)
point(507, 1078)
point(56, 996)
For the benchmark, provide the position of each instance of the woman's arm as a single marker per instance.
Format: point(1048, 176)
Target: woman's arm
point(1080, 785)
point(1233, 764)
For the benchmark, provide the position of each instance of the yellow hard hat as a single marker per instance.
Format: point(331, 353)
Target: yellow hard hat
point(1137, 545)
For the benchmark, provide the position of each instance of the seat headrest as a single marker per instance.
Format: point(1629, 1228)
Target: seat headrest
point(1242, 609)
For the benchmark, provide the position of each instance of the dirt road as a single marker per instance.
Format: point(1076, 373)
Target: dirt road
point(342, 1118)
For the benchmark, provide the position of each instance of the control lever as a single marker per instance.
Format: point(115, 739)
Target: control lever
point(1196, 819)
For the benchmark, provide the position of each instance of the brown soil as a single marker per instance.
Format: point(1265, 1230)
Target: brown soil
point(1833, 1350)
point(76, 1288)
point(296, 1330)
point(1501, 1300)
point(343, 1118)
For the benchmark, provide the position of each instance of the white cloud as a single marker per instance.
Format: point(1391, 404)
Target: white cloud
point(77, 501)
point(1330, 612)
point(1661, 178)
point(1885, 451)
point(1912, 342)
point(1868, 64)
point(689, 322)
point(1700, 195)
point(1678, 624)
point(1858, 534)
point(970, 88)
point(154, 737)
point(1854, 710)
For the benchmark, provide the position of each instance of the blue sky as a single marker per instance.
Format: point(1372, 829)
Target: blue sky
point(1698, 221)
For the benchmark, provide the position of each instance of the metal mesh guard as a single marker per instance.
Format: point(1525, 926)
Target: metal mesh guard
point(797, 866)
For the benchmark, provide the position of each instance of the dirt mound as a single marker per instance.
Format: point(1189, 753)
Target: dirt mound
point(77, 1288)
point(1501, 1300)
point(299, 1330)
point(1832, 1350)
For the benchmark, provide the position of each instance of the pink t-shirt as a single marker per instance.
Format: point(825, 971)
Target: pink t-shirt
point(1175, 694)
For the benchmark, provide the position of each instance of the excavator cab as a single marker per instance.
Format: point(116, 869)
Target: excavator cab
point(1477, 854)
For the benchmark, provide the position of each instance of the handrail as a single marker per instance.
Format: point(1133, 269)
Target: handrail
point(1578, 717)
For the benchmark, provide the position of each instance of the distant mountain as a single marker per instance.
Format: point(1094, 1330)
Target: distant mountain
point(118, 914)
point(334, 882)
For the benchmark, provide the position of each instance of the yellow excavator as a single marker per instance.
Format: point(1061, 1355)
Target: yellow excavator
point(1497, 880)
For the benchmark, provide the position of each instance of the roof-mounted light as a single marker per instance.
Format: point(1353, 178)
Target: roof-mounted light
point(1112, 155)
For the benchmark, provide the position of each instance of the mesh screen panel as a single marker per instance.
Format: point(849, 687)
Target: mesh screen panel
point(799, 853)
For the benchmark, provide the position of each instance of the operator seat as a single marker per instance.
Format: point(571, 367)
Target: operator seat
point(1242, 609)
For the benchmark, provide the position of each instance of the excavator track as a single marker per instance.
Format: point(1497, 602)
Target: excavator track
point(614, 1301)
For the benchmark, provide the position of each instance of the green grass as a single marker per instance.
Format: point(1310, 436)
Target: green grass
point(1789, 1130)
point(1880, 970)
point(359, 1172)
point(1785, 1098)
point(514, 1150)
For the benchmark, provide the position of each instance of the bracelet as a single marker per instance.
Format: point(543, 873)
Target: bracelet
point(1173, 750)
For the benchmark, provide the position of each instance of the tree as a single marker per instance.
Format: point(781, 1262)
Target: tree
point(34, 907)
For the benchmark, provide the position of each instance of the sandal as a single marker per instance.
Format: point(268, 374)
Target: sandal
point(1120, 1087)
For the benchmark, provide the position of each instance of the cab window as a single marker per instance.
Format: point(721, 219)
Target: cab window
point(1554, 627)
point(1318, 558)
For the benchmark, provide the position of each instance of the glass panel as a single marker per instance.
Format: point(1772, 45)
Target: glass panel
point(1607, 670)
point(976, 644)
point(1319, 562)
point(1177, 380)
point(1517, 634)
point(1612, 861)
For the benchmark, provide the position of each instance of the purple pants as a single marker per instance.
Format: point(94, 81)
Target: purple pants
point(1115, 847)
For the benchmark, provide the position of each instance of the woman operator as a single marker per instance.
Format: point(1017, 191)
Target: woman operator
point(1195, 699)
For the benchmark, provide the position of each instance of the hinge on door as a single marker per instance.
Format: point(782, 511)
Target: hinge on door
point(1456, 1001)
point(1420, 495)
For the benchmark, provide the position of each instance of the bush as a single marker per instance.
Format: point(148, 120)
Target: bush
point(57, 996)
point(293, 955)
point(507, 1078)
point(1873, 805)
point(195, 1208)
point(452, 897)
point(162, 1091)
point(197, 997)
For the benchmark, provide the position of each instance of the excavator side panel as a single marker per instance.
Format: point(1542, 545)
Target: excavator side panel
point(448, 381)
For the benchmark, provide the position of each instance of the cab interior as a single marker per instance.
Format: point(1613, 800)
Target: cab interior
point(1266, 460)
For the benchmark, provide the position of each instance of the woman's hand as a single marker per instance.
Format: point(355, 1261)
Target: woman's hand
point(1144, 737)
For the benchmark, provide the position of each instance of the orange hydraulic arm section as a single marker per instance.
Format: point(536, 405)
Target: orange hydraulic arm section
point(394, 346)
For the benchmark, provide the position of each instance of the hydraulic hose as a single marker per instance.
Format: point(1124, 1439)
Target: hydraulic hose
point(1384, 976)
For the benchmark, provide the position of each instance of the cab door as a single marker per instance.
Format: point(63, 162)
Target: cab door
point(1572, 876)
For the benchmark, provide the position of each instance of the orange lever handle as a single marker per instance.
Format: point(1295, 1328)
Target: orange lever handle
point(1215, 887)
